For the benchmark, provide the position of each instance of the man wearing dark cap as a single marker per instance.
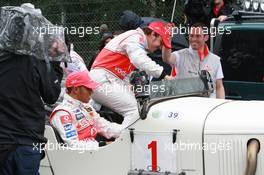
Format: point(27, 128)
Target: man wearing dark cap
point(130, 20)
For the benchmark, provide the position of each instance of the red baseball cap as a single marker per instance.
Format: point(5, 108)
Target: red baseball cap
point(81, 78)
point(160, 28)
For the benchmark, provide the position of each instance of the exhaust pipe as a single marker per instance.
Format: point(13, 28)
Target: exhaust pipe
point(253, 147)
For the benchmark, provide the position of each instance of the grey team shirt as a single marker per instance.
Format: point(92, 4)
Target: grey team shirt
point(188, 65)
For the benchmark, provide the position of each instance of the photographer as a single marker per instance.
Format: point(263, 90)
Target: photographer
point(26, 82)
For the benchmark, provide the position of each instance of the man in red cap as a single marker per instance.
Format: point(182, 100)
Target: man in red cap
point(76, 121)
point(124, 53)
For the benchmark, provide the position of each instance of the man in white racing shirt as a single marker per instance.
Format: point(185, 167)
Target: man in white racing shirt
point(76, 120)
point(124, 53)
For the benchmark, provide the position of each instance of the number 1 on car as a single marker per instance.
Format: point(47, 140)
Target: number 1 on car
point(153, 147)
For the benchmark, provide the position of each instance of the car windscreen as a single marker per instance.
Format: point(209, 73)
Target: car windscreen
point(242, 54)
point(178, 87)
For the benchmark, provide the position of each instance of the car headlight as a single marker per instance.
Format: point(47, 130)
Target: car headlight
point(255, 5)
point(262, 5)
point(247, 4)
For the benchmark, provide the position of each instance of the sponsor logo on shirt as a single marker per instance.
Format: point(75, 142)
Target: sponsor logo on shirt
point(79, 116)
point(84, 123)
point(66, 119)
point(91, 114)
point(67, 127)
point(76, 110)
point(70, 134)
point(120, 71)
point(88, 109)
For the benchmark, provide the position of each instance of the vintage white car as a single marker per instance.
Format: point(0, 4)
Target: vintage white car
point(180, 132)
point(183, 132)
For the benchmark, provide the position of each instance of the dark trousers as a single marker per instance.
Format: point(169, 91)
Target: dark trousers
point(23, 160)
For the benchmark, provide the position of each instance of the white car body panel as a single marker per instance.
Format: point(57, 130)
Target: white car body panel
point(199, 121)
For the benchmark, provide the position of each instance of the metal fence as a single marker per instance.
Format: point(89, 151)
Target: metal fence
point(83, 17)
